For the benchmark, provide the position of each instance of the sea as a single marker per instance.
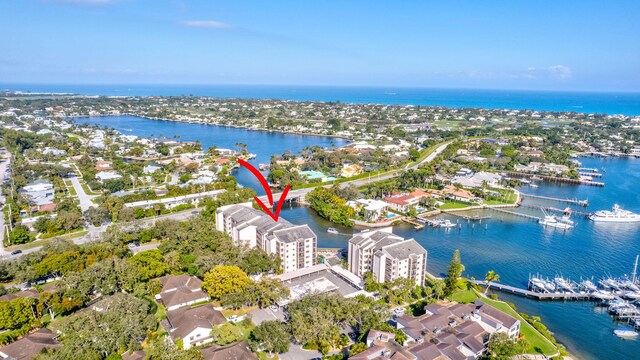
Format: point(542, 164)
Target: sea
point(584, 102)
point(513, 247)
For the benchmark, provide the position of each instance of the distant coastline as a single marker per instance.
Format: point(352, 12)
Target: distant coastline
point(624, 103)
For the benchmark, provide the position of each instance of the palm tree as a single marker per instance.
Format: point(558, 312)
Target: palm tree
point(490, 277)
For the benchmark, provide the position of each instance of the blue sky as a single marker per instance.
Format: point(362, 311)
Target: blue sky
point(558, 45)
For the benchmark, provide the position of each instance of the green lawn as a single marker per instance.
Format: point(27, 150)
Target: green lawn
point(536, 343)
point(88, 190)
point(448, 205)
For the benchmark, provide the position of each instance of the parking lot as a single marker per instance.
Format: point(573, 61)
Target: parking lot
point(261, 315)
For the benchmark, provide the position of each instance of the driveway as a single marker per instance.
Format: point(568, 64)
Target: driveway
point(296, 352)
point(85, 199)
point(258, 316)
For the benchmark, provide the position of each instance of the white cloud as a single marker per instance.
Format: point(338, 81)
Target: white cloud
point(210, 24)
point(555, 72)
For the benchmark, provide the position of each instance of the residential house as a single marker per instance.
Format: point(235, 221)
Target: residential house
point(236, 351)
point(402, 203)
point(108, 175)
point(180, 290)
point(372, 209)
point(193, 325)
point(295, 244)
point(387, 256)
point(103, 165)
point(31, 345)
point(350, 170)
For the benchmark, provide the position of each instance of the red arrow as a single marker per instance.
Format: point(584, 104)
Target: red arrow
point(267, 189)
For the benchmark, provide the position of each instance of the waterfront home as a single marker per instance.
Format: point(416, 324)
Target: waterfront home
point(372, 209)
point(296, 245)
point(450, 192)
point(479, 179)
point(31, 345)
point(180, 291)
point(402, 203)
point(387, 256)
point(193, 325)
point(350, 170)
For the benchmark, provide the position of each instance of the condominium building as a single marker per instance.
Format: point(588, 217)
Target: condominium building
point(387, 256)
point(295, 244)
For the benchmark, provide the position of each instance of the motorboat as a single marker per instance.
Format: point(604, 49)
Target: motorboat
point(447, 224)
point(588, 285)
point(625, 333)
point(563, 284)
point(602, 295)
point(617, 214)
point(552, 221)
point(332, 231)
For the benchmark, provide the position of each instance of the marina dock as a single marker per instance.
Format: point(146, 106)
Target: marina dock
point(534, 294)
point(583, 203)
point(554, 178)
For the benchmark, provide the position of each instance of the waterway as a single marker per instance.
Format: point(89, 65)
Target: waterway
point(511, 246)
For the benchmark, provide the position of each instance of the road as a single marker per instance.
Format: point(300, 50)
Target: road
point(96, 231)
point(3, 170)
point(85, 199)
point(364, 181)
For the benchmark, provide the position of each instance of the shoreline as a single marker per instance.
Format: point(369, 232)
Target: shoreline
point(214, 124)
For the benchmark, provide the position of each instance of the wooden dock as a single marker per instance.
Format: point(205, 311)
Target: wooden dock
point(418, 225)
point(530, 217)
point(533, 294)
point(584, 203)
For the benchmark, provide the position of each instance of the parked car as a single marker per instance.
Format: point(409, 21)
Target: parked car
point(16, 252)
point(273, 308)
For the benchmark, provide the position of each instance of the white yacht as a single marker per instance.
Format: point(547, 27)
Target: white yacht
point(447, 224)
point(615, 215)
point(552, 221)
point(625, 332)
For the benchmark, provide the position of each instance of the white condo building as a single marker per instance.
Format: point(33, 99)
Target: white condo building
point(387, 256)
point(295, 244)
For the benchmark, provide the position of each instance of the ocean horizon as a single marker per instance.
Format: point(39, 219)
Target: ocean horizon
point(612, 103)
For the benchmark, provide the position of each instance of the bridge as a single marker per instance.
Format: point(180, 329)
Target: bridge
point(299, 194)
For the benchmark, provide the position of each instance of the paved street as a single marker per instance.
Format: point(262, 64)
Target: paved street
point(296, 352)
point(4, 165)
point(85, 199)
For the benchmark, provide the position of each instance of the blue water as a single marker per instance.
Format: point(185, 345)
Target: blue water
point(513, 247)
point(262, 143)
point(585, 102)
